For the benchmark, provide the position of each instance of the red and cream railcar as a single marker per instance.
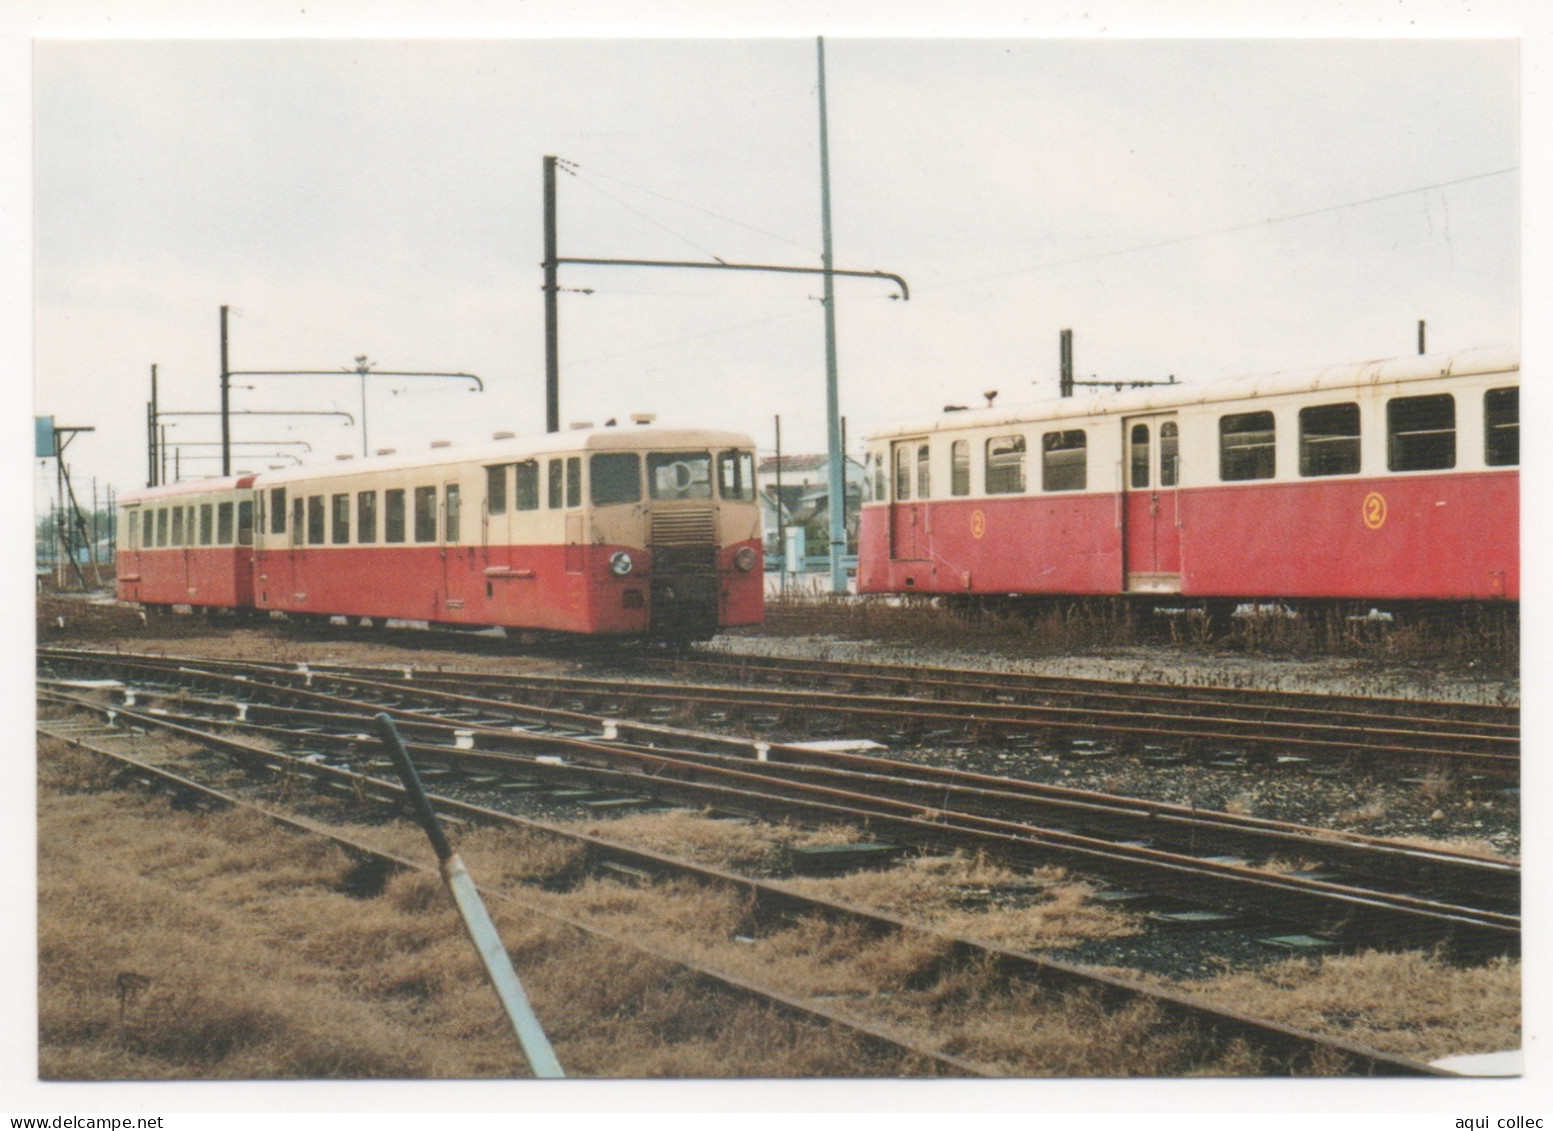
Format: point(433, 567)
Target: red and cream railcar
point(1394, 480)
point(187, 544)
point(639, 531)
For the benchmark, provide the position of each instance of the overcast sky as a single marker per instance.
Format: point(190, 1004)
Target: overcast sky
point(1199, 207)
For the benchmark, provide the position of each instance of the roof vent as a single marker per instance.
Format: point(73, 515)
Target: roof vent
point(643, 417)
point(385, 451)
point(954, 408)
point(581, 425)
point(442, 443)
point(502, 435)
point(991, 395)
point(344, 455)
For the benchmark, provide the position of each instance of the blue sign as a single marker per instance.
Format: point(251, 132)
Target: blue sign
point(43, 437)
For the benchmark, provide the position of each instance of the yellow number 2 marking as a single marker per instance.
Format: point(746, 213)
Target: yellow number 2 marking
point(978, 524)
point(1375, 510)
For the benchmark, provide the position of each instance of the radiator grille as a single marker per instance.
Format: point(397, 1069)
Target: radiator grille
point(684, 528)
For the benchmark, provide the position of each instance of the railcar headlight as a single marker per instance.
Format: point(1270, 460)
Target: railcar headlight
point(620, 563)
point(745, 558)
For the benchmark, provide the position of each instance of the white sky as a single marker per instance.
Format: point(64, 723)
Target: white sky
point(379, 193)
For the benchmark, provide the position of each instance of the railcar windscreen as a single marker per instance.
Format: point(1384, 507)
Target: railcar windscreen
point(614, 477)
point(680, 475)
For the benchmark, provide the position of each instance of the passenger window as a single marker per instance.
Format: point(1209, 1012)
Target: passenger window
point(277, 510)
point(556, 473)
point(315, 520)
point(902, 473)
point(366, 516)
point(450, 493)
point(924, 473)
point(1064, 460)
point(245, 523)
point(1169, 453)
point(614, 477)
point(1502, 427)
point(496, 489)
point(960, 468)
point(574, 482)
point(224, 524)
point(1138, 456)
point(207, 524)
point(161, 526)
point(1329, 440)
point(393, 515)
point(1006, 465)
point(1246, 446)
point(736, 476)
point(177, 526)
point(147, 530)
point(340, 518)
point(679, 475)
point(1421, 433)
point(526, 486)
point(297, 509)
point(425, 514)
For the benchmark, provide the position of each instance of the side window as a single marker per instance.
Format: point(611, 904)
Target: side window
point(315, 520)
point(1138, 456)
point(960, 467)
point(450, 493)
point(1421, 433)
point(1246, 446)
point(425, 514)
point(245, 523)
point(1064, 460)
point(902, 472)
point(277, 510)
point(1329, 440)
point(393, 515)
point(736, 476)
point(573, 481)
point(555, 473)
point(207, 524)
point(366, 516)
point(177, 526)
point(298, 509)
point(924, 472)
point(161, 526)
point(525, 495)
point(879, 478)
point(147, 529)
point(224, 524)
point(614, 477)
point(1169, 454)
point(1006, 465)
point(1502, 427)
point(496, 489)
point(340, 518)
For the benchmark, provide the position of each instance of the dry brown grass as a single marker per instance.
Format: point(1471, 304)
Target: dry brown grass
point(1411, 1004)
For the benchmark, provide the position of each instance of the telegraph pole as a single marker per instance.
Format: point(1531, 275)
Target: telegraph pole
point(838, 481)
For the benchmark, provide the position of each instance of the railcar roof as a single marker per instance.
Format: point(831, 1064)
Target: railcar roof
point(1100, 403)
point(518, 448)
point(186, 487)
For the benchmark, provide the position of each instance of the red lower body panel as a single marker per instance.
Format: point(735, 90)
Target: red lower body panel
point(219, 577)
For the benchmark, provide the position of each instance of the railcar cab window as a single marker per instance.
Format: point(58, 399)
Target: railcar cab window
point(340, 518)
point(525, 496)
point(1329, 440)
point(736, 476)
point(277, 510)
point(1006, 465)
point(393, 515)
point(902, 472)
point(1246, 446)
point(614, 477)
point(573, 482)
point(245, 523)
point(1064, 460)
point(496, 489)
point(960, 468)
point(555, 472)
point(1421, 433)
point(366, 516)
point(1502, 427)
point(425, 514)
point(679, 475)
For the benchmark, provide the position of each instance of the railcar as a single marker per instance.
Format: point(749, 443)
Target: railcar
point(187, 544)
point(1389, 481)
point(620, 532)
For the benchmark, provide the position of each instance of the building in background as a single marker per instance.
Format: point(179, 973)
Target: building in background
point(803, 510)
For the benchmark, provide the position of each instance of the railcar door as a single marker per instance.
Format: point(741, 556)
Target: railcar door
point(911, 484)
point(1151, 454)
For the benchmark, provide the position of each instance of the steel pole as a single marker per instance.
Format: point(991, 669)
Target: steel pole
point(552, 331)
point(226, 403)
point(837, 478)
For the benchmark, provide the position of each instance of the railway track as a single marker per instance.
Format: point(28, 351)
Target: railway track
point(1364, 890)
point(1285, 1049)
